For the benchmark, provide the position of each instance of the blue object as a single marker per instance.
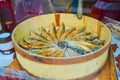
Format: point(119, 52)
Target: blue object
point(75, 6)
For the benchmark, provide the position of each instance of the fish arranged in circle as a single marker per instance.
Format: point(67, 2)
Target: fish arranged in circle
point(61, 41)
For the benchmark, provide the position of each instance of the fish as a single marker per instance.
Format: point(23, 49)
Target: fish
point(70, 36)
point(83, 34)
point(38, 37)
point(33, 41)
point(67, 32)
point(61, 41)
point(81, 46)
point(85, 43)
point(74, 33)
point(69, 53)
point(24, 45)
point(60, 31)
point(57, 53)
point(47, 52)
point(97, 42)
point(45, 34)
point(52, 32)
point(92, 37)
point(78, 50)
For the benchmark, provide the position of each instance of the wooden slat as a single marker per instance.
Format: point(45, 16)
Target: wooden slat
point(15, 65)
point(112, 67)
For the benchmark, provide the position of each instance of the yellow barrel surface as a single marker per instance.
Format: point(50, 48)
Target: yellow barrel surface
point(77, 67)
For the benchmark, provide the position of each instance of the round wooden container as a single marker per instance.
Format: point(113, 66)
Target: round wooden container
point(78, 67)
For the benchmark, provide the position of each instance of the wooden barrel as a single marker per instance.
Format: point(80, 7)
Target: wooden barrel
point(77, 67)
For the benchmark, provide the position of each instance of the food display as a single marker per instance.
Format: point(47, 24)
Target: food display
point(62, 47)
point(61, 42)
point(115, 28)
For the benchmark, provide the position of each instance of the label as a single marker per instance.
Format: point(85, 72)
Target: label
point(6, 46)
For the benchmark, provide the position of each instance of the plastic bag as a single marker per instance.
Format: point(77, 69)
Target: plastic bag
point(113, 25)
point(24, 9)
point(61, 5)
point(13, 74)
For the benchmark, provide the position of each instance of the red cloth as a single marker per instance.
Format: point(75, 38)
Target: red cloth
point(99, 13)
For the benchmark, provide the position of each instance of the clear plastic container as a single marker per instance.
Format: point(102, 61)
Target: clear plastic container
point(113, 25)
